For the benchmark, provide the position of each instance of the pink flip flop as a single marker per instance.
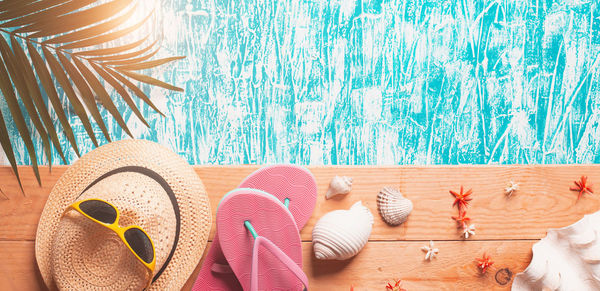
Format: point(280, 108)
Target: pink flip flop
point(294, 186)
point(261, 241)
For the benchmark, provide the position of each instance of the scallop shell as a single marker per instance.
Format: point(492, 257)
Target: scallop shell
point(566, 259)
point(339, 185)
point(393, 207)
point(341, 234)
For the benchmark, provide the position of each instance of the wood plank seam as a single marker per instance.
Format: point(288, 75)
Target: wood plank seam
point(506, 228)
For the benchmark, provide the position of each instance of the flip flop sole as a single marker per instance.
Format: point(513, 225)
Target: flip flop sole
point(270, 219)
point(210, 280)
point(282, 181)
point(287, 181)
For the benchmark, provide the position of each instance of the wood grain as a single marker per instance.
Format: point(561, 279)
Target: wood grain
point(377, 264)
point(506, 227)
point(18, 270)
point(543, 202)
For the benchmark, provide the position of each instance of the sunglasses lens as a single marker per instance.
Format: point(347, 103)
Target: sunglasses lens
point(99, 210)
point(140, 244)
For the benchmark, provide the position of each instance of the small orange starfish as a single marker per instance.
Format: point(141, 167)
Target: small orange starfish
point(462, 220)
point(395, 287)
point(461, 199)
point(582, 187)
point(484, 263)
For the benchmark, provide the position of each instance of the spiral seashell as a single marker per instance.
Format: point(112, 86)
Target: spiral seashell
point(339, 185)
point(566, 259)
point(341, 234)
point(393, 207)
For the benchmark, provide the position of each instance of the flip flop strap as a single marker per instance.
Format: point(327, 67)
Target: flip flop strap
point(221, 268)
point(280, 255)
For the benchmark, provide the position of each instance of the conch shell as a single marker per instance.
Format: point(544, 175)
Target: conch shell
point(393, 207)
point(339, 185)
point(566, 259)
point(341, 234)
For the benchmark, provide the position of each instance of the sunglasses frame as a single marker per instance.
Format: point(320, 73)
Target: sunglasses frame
point(120, 231)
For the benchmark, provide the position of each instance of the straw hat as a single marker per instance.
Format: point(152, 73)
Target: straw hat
point(151, 187)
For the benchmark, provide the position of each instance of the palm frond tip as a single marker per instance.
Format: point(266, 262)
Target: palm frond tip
point(81, 48)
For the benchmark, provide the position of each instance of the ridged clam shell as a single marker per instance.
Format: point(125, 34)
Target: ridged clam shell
point(566, 259)
point(339, 185)
point(341, 234)
point(393, 207)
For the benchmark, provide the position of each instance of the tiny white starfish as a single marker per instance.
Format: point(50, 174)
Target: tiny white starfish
point(511, 188)
point(469, 231)
point(431, 251)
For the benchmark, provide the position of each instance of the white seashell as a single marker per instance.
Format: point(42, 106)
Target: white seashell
point(566, 259)
point(468, 230)
point(430, 250)
point(341, 234)
point(511, 188)
point(393, 207)
point(339, 185)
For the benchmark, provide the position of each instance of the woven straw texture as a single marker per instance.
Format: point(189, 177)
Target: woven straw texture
point(74, 253)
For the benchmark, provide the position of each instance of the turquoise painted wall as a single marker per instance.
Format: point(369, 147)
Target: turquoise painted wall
point(376, 82)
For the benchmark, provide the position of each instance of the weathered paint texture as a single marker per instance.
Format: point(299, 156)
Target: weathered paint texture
point(375, 82)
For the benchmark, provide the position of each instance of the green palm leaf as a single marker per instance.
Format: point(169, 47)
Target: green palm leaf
point(52, 46)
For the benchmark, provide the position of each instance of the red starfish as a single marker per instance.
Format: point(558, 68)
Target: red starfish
point(582, 187)
point(484, 263)
point(395, 287)
point(462, 220)
point(461, 199)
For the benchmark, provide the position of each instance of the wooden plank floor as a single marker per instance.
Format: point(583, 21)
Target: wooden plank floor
point(506, 227)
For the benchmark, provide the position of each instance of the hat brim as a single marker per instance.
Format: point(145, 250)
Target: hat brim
point(157, 162)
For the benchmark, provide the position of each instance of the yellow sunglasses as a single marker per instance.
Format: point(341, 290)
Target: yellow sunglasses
point(134, 237)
